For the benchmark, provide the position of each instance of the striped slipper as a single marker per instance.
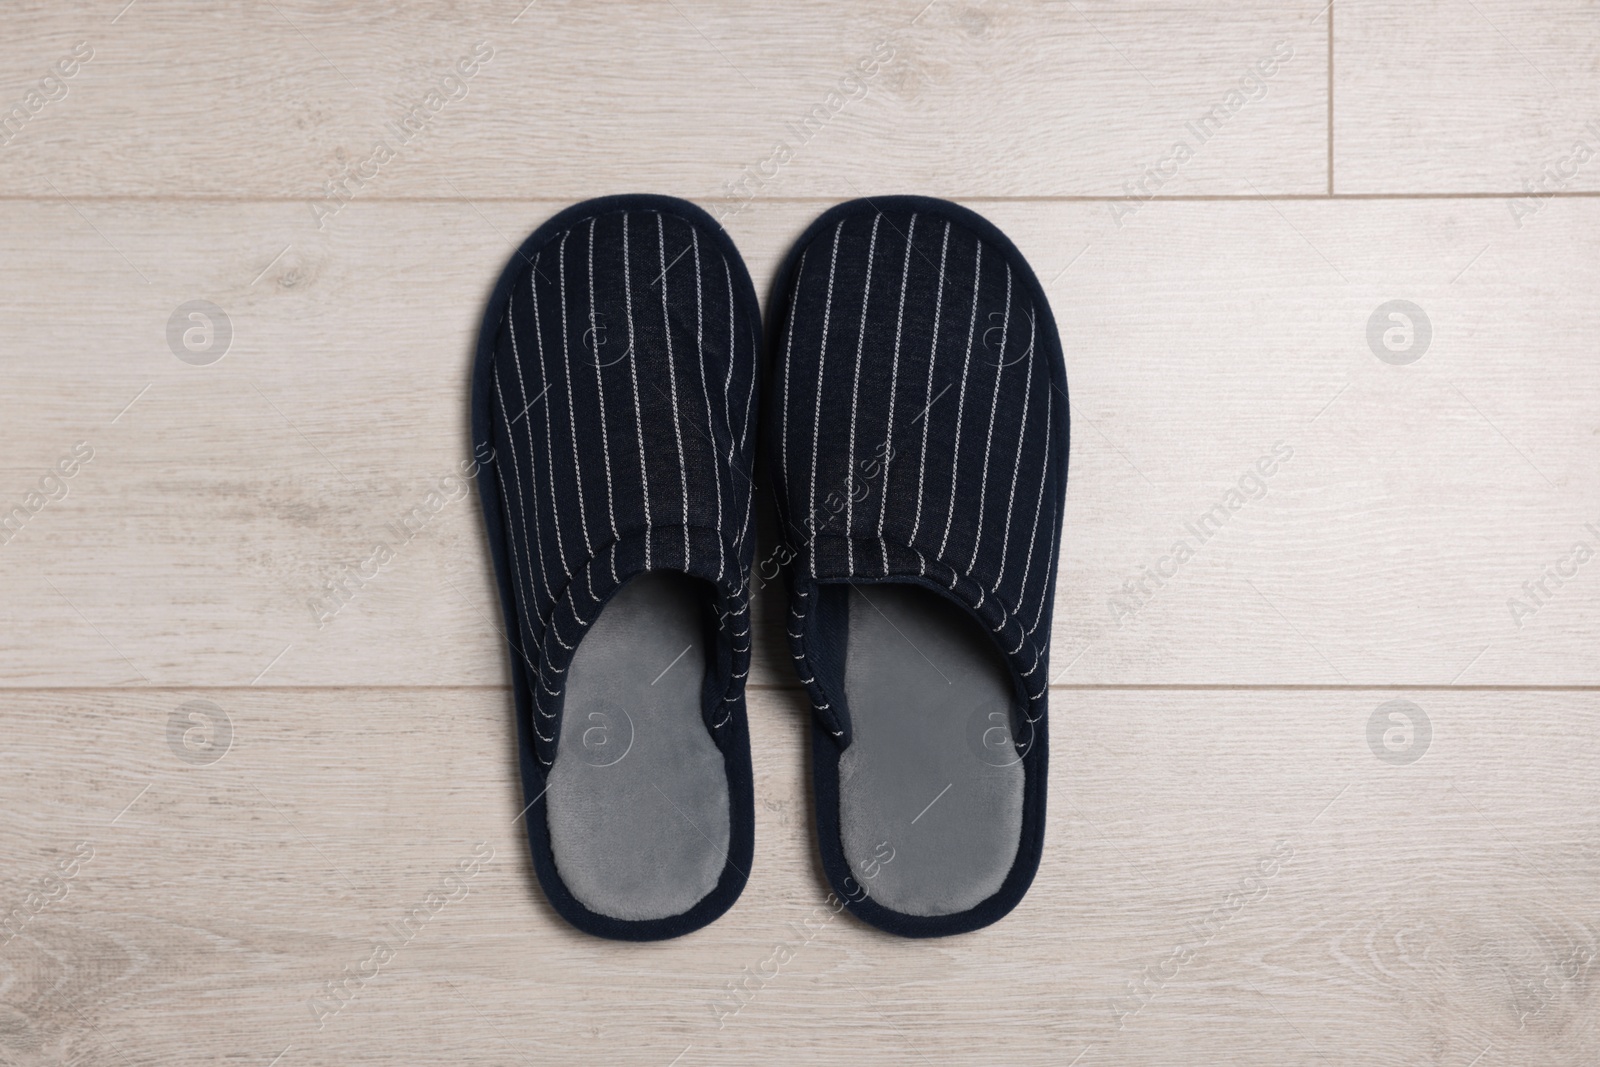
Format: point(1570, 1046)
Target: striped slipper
point(917, 434)
point(612, 408)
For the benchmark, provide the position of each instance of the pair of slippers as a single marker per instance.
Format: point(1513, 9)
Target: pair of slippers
point(914, 427)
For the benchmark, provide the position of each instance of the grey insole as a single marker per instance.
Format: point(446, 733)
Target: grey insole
point(638, 795)
point(930, 789)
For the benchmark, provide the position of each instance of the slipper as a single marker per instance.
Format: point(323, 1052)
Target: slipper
point(917, 433)
point(612, 414)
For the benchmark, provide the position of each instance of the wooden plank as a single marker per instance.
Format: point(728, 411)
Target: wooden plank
point(1244, 863)
point(691, 98)
point(1322, 903)
point(1421, 505)
point(1475, 96)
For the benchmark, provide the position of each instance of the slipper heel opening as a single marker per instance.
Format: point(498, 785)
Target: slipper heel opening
point(931, 787)
point(638, 797)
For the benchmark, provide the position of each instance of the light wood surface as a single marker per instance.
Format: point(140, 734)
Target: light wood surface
point(576, 100)
point(183, 897)
point(1480, 96)
point(1417, 501)
point(1418, 913)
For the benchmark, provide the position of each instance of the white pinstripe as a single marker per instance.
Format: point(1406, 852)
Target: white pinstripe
point(553, 632)
point(822, 362)
point(705, 389)
point(633, 368)
point(988, 443)
point(533, 543)
point(894, 379)
point(1037, 659)
point(1027, 396)
point(1020, 641)
point(727, 385)
point(933, 358)
point(744, 438)
point(734, 443)
point(600, 390)
point(672, 380)
point(527, 616)
point(855, 403)
point(755, 346)
point(1045, 588)
point(572, 411)
point(549, 450)
point(961, 406)
point(588, 585)
point(788, 352)
point(1038, 507)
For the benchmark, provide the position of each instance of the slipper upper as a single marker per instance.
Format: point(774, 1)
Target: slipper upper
point(917, 429)
point(619, 400)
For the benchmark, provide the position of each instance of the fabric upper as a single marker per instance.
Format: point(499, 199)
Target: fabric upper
point(622, 399)
point(917, 430)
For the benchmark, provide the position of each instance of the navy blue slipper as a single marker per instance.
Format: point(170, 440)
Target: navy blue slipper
point(612, 405)
point(916, 431)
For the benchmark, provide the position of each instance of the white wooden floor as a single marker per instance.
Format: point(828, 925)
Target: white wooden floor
point(214, 807)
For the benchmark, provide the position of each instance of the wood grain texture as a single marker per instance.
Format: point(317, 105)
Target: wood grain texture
point(216, 805)
point(1389, 549)
point(186, 99)
point(1413, 914)
point(1481, 96)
